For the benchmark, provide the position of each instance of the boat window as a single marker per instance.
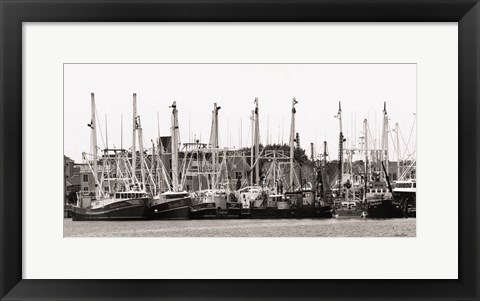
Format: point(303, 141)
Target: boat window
point(414, 185)
point(117, 195)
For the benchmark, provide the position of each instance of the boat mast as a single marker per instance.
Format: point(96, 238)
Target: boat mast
point(341, 141)
point(257, 146)
point(154, 167)
point(365, 129)
point(214, 143)
point(107, 157)
point(173, 131)
point(140, 145)
point(160, 157)
point(324, 166)
point(93, 143)
point(292, 142)
point(134, 150)
point(397, 130)
point(384, 156)
point(252, 118)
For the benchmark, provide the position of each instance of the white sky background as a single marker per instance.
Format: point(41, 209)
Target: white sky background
point(362, 89)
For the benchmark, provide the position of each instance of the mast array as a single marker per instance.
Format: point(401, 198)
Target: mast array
point(151, 167)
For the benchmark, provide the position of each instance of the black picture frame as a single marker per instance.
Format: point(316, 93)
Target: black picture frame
point(13, 13)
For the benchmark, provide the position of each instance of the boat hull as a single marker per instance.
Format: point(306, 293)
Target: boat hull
point(324, 211)
point(172, 209)
point(203, 211)
point(123, 210)
point(234, 210)
point(263, 212)
point(409, 200)
point(385, 209)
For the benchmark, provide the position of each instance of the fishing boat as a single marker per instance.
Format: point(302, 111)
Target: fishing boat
point(346, 203)
point(174, 203)
point(265, 206)
point(214, 204)
point(348, 209)
point(218, 201)
point(203, 205)
point(123, 205)
point(380, 202)
point(170, 205)
point(246, 196)
point(406, 193)
point(130, 203)
point(379, 195)
point(405, 188)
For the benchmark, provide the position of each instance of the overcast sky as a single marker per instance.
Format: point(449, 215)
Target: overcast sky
point(361, 88)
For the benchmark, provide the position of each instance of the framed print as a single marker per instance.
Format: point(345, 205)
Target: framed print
point(151, 149)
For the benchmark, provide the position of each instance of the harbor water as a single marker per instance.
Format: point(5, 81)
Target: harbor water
point(401, 227)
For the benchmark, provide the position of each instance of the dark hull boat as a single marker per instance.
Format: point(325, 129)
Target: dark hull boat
point(170, 205)
point(234, 209)
point(406, 193)
point(203, 211)
point(323, 211)
point(409, 201)
point(263, 212)
point(117, 210)
point(343, 208)
point(209, 204)
point(381, 201)
point(266, 206)
point(386, 208)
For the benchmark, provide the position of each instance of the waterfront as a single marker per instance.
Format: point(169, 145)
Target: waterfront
point(400, 227)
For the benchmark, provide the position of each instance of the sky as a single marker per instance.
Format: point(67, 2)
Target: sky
point(361, 88)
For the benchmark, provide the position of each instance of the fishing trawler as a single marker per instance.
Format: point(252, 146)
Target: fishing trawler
point(122, 205)
point(218, 201)
point(344, 208)
point(246, 196)
point(174, 203)
point(214, 204)
point(170, 205)
point(130, 203)
point(379, 195)
point(203, 205)
point(346, 202)
point(406, 193)
point(381, 203)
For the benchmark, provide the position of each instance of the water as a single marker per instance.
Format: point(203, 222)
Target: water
point(401, 227)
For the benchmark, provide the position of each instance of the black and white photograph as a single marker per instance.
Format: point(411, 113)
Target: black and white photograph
point(240, 150)
point(270, 145)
